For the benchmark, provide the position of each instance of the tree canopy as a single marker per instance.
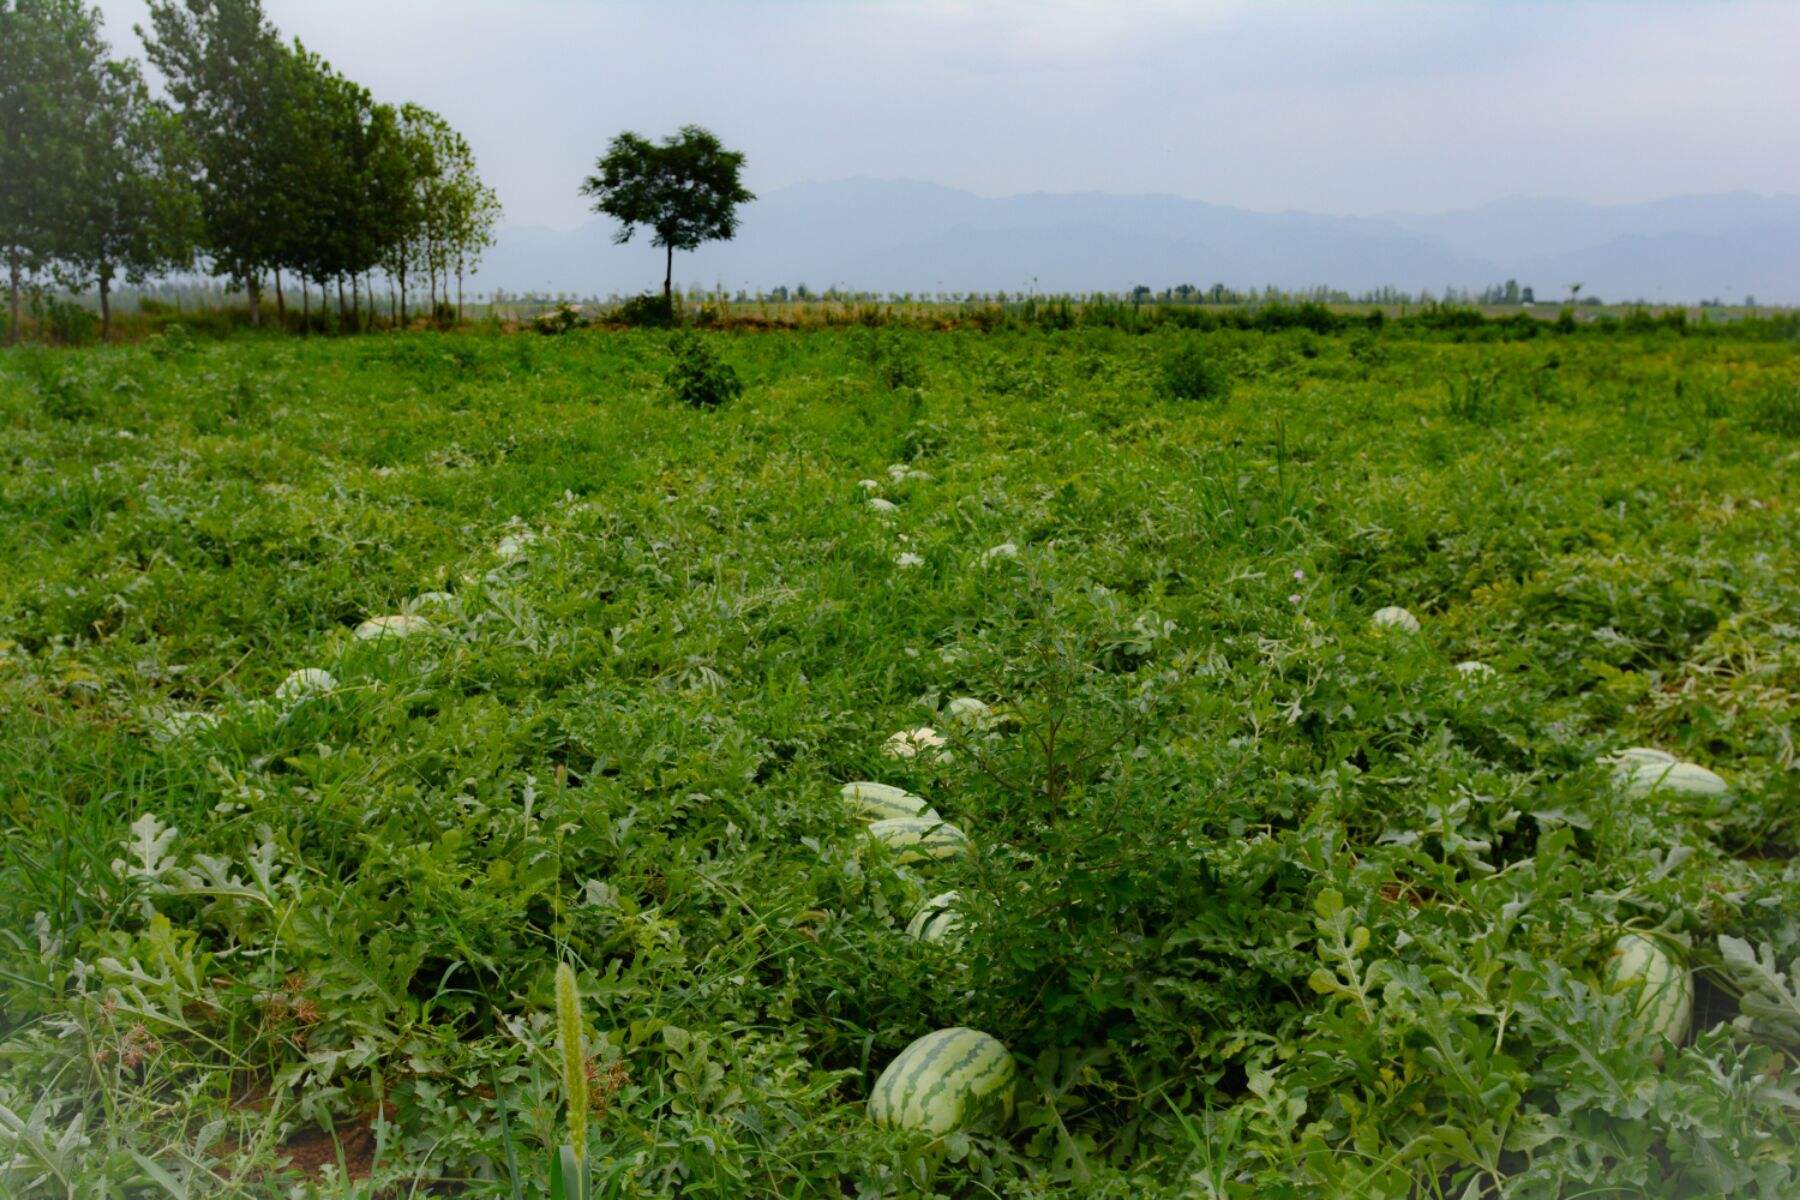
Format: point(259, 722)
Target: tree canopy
point(261, 161)
point(686, 190)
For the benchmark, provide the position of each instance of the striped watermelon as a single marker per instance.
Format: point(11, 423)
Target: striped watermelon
point(943, 1082)
point(307, 681)
point(1395, 617)
point(1665, 992)
point(1641, 777)
point(967, 710)
point(1642, 754)
point(920, 839)
point(883, 800)
point(398, 626)
point(937, 920)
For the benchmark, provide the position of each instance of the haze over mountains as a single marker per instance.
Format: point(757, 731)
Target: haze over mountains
point(906, 236)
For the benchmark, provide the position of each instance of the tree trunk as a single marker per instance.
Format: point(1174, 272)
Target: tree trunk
point(253, 285)
point(403, 321)
point(459, 293)
point(12, 332)
point(105, 304)
point(305, 307)
point(280, 302)
point(669, 280)
point(343, 309)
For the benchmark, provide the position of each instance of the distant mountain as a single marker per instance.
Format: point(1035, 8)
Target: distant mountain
point(906, 236)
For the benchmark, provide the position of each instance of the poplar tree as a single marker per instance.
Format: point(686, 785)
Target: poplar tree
point(47, 52)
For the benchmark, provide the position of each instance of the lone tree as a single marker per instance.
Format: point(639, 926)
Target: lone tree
point(687, 190)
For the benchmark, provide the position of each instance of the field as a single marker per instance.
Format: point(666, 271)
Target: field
point(1263, 899)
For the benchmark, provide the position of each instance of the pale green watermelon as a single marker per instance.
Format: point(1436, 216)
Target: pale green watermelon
point(879, 801)
point(400, 625)
point(307, 681)
point(1635, 755)
point(970, 711)
point(1395, 617)
point(1664, 990)
point(943, 1082)
point(1642, 777)
point(937, 920)
point(920, 839)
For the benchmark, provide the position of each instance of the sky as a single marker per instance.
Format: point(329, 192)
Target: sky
point(1349, 107)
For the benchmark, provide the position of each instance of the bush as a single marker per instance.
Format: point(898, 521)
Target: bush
point(1190, 373)
point(894, 360)
point(649, 311)
point(1777, 409)
point(699, 378)
point(172, 342)
point(559, 320)
point(66, 322)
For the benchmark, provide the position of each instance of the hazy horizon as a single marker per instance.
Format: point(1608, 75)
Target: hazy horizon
point(1355, 109)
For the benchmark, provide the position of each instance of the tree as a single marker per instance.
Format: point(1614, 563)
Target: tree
point(686, 190)
point(234, 81)
point(136, 212)
point(47, 52)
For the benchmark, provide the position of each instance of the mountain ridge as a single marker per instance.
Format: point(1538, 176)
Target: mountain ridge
point(903, 235)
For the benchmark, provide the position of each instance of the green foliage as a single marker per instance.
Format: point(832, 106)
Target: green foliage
point(1266, 903)
point(699, 378)
point(685, 190)
point(1474, 396)
point(648, 311)
point(1190, 372)
point(894, 360)
point(64, 321)
point(1776, 408)
point(564, 318)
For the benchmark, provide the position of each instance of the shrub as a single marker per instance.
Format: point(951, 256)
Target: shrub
point(1190, 373)
point(67, 322)
point(699, 378)
point(559, 320)
point(647, 311)
point(1474, 397)
point(895, 362)
point(1777, 409)
point(172, 342)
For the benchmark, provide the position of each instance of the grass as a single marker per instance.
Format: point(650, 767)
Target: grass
point(1265, 902)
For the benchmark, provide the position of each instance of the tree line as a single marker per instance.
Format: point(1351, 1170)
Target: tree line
point(261, 165)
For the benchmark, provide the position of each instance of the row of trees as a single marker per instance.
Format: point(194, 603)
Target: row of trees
point(263, 165)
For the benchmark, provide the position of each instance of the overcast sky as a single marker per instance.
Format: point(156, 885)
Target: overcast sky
point(1340, 107)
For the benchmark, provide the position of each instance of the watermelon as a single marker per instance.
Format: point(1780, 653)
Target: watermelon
point(1642, 777)
point(1643, 754)
point(307, 681)
point(945, 1081)
point(1394, 617)
point(399, 626)
point(879, 801)
point(937, 921)
point(920, 839)
point(1665, 992)
point(1474, 670)
point(967, 710)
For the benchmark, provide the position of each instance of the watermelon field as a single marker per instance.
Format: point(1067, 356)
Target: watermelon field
point(349, 687)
